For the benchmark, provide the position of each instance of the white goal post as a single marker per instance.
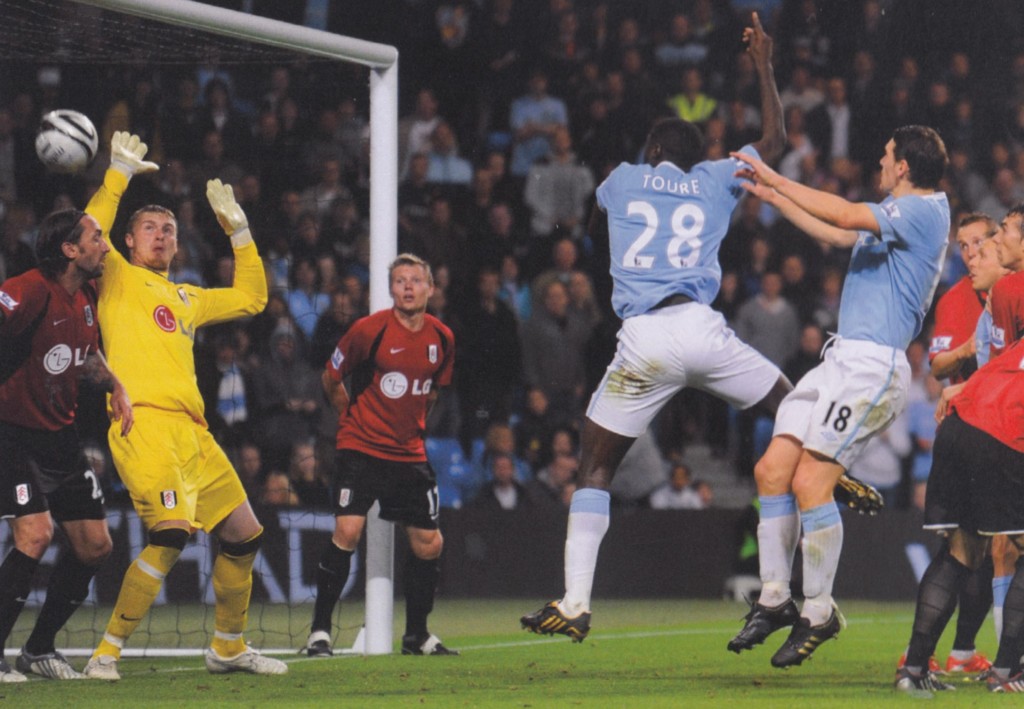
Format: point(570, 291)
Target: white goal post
point(382, 61)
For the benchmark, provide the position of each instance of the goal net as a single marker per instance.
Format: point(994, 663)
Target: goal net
point(85, 41)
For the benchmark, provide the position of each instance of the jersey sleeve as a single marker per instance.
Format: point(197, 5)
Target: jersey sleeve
point(444, 374)
point(907, 220)
point(103, 207)
point(348, 353)
point(953, 325)
point(724, 171)
point(246, 296)
point(21, 302)
point(608, 189)
point(1007, 314)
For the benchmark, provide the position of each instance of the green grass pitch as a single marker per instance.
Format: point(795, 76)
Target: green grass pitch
point(661, 653)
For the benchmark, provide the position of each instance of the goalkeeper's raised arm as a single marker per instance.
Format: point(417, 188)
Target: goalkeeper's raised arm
point(127, 159)
point(248, 292)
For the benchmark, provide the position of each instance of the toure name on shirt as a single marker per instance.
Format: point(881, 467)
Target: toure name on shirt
point(664, 184)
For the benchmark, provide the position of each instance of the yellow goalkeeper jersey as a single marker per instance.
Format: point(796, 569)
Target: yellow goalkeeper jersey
point(148, 323)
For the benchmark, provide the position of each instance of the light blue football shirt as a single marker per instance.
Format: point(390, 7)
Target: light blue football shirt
point(665, 227)
point(892, 277)
point(983, 338)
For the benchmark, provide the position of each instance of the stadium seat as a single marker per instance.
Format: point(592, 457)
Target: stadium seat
point(458, 479)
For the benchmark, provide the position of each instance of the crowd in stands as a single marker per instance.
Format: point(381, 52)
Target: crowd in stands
point(512, 112)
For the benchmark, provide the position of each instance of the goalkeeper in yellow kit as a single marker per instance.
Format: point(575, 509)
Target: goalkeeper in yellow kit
point(179, 478)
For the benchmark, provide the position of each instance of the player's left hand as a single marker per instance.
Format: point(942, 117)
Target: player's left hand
point(230, 215)
point(121, 409)
point(858, 495)
point(759, 44)
point(755, 170)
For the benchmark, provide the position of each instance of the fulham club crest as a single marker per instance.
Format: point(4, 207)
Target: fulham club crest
point(169, 498)
point(184, 296)
point(432, 354)
point(22, 494)
point(88, 316)
point(344, 497)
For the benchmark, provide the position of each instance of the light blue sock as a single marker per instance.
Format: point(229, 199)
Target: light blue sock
point(589, 516)
point(822, 545)
point(778, 533)
point(1000, 585)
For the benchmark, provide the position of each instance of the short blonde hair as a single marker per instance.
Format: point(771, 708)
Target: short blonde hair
point(410, 259)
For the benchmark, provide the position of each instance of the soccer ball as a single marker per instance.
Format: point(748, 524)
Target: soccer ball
point(67, 141)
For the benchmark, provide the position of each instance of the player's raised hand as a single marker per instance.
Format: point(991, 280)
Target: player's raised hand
point(127, 152)
point(759, 44)
point(230, 215)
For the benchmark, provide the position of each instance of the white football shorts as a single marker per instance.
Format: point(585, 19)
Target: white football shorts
point(662, 351)
point(857, 391)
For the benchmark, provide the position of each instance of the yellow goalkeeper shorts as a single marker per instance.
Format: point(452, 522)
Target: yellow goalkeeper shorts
point(175, 470)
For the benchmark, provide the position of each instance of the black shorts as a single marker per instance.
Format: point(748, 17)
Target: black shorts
point(47, 470)
point(976, 482)
point(407, 492)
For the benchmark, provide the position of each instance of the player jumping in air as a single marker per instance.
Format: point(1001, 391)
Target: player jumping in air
point(860, 387)
point(665, 220)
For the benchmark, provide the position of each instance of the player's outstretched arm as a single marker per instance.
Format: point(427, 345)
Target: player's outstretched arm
point(230, 215)
point(127, 153)
point(826, 206)
point(248, 292)
point(802, 220)
point(773, 126)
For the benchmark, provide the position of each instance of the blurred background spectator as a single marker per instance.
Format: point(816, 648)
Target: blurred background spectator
point(510, 112)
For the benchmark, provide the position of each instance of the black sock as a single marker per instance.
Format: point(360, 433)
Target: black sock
point(420, 585)
point(69, 586)
point(1010, 642)
point(975, 602)
point(936, 600)
point(15, 583)
point(331, 577)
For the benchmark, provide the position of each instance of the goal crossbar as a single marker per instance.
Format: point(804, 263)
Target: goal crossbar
point(240, 25)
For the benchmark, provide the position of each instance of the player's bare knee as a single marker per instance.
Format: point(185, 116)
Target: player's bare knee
point(772, 478)
point(93, 551)
point(426, 547)
point(34, 545)
point(33, 534)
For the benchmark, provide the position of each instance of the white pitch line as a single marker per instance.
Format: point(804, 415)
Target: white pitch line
point(545, 641)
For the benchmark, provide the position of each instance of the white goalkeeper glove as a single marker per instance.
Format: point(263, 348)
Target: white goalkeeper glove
point(229, 215)
point(126, 153)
